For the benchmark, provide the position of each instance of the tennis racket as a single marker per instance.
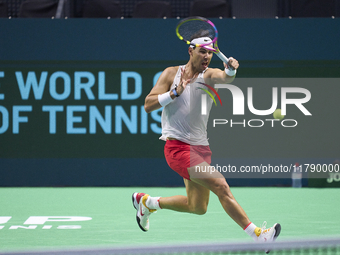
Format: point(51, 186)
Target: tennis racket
point(192, 27)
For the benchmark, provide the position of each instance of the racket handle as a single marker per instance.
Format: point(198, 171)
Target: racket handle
point(222, 57)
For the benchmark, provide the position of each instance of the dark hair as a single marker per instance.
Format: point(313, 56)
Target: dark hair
point(201, 33)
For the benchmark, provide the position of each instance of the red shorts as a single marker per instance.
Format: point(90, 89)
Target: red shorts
point(180, 156)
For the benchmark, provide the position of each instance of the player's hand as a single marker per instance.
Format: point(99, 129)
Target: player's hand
point(233, 63)
point(182, 85)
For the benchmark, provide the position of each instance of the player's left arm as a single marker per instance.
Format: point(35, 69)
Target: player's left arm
point(220, 76)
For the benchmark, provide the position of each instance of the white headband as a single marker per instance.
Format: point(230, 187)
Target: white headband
point(200, 40)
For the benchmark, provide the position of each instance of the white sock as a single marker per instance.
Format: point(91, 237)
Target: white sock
point(252, 231)
point(153, 203)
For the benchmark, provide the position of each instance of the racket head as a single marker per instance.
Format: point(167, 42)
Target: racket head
point(194, 27)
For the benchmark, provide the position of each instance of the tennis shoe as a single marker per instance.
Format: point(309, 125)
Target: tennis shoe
point(143, 212)
point(269, 234)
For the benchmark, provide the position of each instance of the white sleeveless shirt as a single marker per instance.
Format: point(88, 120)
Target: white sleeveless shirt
point(182, 118)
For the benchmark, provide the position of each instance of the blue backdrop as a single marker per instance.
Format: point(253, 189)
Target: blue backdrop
point(72, 92)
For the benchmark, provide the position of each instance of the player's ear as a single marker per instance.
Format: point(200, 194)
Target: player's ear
point(190, 50)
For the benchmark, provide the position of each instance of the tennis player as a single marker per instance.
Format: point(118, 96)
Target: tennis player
point(187, 150)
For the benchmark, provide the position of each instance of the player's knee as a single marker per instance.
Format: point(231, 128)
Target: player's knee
point(222, 190)
point(200, 210)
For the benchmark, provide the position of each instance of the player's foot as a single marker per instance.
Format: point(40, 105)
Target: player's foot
point(143, 212)
point(269, 234)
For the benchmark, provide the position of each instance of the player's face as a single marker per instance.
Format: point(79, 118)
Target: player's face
point(202, 58)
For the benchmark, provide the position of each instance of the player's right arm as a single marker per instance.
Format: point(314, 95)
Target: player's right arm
point(162, 86)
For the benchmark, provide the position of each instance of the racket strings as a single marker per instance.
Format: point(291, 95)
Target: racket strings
point(196, 28)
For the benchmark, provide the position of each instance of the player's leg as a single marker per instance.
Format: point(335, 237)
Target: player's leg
point(178, 156)
point(198, 190)
point(216, 182)
point(196, 201)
